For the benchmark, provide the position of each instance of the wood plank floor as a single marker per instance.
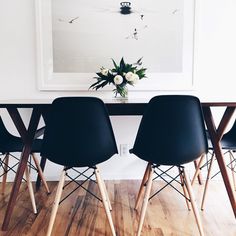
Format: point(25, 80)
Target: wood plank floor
point(81, 214)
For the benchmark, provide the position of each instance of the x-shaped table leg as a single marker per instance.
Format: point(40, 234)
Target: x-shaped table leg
point(216, 135)
point(27, 136)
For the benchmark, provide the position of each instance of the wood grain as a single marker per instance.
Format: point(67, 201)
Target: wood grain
point(82, 215)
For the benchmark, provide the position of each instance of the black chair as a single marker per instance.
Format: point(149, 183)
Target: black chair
point(228, 144)
point(10, 144)
point(171, 133)
point(79, 134)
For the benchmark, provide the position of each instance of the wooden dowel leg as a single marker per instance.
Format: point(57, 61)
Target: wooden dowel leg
point(198, 169)
point(232, 168)
point(4, 177)
point(42, 165)
point(145, 201)
point(107, 196)
point(56, 202)
point(194, 207)
point(185, 191)
point(142, 187)
point(207, 183)
point(199, 176)
point(30, 187)
point(40, 172)
point(104, 200)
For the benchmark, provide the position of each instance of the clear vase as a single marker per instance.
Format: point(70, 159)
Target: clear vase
point(121, 93)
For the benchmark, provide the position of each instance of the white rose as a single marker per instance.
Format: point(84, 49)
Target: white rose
point(129, 76)
point(118, 79)
point(135, 78)
point(104, 71)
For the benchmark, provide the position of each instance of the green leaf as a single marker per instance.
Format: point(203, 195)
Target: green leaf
point(104, 83)
point(122, 62)
point(141, 72)
point(122, 65)
point(115, 65)
point(94, 85)
point(139, 61)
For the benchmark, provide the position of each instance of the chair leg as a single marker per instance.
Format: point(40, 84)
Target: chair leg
point(42, 165)
point(56, 202)
point(184, 190)
point(197, 169)
point(104, 200)
point(40, 172)
point(107, 196)
point(209, 176)
point(145, 201)
point(4, 177)
point(199, 177)
point(207, 183)
point(30, 187)
point(232, 168)
point(142, 186)
point(192, 199)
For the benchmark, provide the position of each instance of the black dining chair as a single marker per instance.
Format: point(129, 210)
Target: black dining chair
point(79, 134)
point(228, 145)
point(171, 133)
point(10, 144)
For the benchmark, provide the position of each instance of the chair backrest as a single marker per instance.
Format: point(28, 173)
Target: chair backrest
point(78, 132)
point(4, 134)
point(228, 140)
point(232, 132)
point(172, 131)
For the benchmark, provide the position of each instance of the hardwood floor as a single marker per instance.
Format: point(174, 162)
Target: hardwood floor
point(81, 214)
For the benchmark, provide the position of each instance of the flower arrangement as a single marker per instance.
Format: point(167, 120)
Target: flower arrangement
point(121, 75)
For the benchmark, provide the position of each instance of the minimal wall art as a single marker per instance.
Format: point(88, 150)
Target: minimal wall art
point(76, 37)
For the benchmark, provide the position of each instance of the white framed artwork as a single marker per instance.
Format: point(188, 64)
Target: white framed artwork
point(75, 38)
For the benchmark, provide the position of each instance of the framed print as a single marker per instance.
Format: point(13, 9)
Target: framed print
point(75, 38)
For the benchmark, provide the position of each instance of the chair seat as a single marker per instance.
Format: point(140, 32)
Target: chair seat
point(227, 142)
point(15, 144)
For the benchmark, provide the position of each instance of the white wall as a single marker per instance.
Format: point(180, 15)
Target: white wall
point(214, 74)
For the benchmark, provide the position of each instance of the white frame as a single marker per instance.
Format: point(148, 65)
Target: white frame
point(48, 80)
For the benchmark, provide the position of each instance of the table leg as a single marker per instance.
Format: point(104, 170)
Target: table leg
point(27, 137)
point(216, 135)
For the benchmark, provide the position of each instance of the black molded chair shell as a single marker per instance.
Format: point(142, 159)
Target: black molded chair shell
point(172, 131)
point(78, 132)
point(228, 140)
point(10, 143)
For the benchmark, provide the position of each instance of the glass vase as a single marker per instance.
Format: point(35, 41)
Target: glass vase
point(121, 93)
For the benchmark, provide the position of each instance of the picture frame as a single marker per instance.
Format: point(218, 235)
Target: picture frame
point(59, 80)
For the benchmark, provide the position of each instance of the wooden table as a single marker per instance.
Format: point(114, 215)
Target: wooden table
point(216, 134)
point(121, 108)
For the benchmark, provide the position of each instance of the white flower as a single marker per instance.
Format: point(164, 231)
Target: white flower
point(104, 71)
point(118, 79)
point(135, 78)
point(129, 76)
